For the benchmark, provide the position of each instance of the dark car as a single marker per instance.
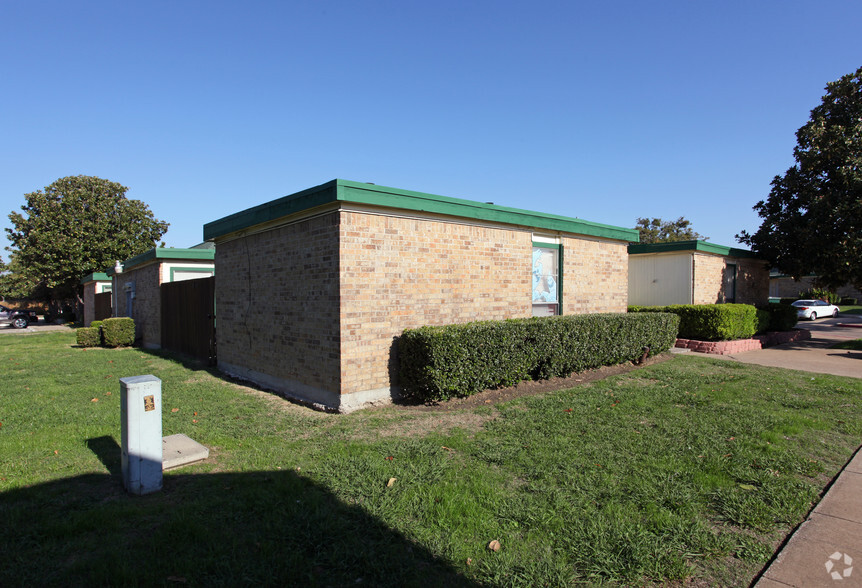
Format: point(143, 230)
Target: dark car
point(17, 318)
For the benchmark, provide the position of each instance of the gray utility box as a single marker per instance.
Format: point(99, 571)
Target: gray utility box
point(141, 430)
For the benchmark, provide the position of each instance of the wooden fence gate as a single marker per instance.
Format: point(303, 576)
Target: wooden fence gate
point(188, 318)
point(102, 303)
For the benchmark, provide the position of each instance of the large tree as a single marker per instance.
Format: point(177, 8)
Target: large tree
point(76, 226)
point(14, 284)
point(812, 218)
point(656, 230)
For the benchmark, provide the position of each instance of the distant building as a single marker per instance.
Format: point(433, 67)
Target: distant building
point(695, 272)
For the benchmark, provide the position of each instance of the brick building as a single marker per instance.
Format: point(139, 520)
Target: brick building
point(95, 283)
point(137, 289)
point(695, 272)
point(313, 288)
point(783, 286)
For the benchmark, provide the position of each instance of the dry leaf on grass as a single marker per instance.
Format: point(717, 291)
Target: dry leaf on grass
point(391, 482)
point(494, 545)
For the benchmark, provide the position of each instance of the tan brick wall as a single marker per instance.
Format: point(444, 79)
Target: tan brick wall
point(277, 303)
point(707, 275)
point(89, 303)
point(401, 273)
point(404, 273)
point(595, 276)
point(788, 288)
point(90, 291)
point(317, 305)
point(146, 307)
point(752, 279)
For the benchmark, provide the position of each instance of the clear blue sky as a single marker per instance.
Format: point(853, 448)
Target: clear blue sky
point(605, 111)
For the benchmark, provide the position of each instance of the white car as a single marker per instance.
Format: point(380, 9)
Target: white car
point(811, 309)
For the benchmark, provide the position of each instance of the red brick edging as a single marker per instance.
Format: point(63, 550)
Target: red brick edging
point(740, 345)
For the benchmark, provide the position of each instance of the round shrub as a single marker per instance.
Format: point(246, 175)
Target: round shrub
point(87, 337)
point(118, 332)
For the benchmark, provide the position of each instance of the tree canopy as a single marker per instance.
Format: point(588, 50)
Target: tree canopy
point(76, 226)
point(812, 218)
point(656, 230)
point(14, 284)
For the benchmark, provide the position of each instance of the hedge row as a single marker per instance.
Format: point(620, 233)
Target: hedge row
point(436, 363)
point(782, 317)
point(722, 322)
point(112, 332)
point(88, 336)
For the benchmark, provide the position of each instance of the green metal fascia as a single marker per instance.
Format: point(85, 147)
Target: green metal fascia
point(702, 246)
point(373, 195)
point(95, 277)
point(169, 253)
point(270, 211)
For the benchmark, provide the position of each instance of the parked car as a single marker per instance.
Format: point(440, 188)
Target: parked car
point(18, 318)
point(811, 309)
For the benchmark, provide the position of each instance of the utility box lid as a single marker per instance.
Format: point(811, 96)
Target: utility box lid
point(179, 450)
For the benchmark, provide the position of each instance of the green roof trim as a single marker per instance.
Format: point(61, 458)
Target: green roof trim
point(96, 277)
point(370, 194)
point(702, 246)
point(166, 254)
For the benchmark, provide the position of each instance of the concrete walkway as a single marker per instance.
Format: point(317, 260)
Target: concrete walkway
point(41, 327)
point(815, 354)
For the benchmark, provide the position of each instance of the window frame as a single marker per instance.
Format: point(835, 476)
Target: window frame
point(559, 277)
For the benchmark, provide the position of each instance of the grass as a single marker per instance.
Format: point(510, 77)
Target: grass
point(854, 344)
point(688, 469)
point(847, 309)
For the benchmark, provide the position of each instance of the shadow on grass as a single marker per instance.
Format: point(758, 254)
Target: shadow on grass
point(256, 528)
point(109, 453)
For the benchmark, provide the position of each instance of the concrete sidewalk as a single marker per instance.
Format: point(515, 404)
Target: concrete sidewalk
point(815, 354)
point(826, 549)
point(41, 327)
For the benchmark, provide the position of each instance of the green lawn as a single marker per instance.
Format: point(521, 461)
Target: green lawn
point(855, 344)
point(846, 309)
point(690, 468)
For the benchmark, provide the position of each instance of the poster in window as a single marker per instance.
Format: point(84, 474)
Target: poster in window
point(545, 278)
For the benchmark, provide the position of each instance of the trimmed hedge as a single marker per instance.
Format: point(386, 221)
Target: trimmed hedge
point(710, 322)
point(782, 317)
point(436, 363)
point(118, 332)
point(763, 318)
point(88, 336)
point(724, 322)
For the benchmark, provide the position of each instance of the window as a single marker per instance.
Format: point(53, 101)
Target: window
point(546, 279)
point(729, 283)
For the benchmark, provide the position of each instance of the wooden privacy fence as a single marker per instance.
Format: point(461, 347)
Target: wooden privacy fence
point(102, 303)
point(188, 318)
